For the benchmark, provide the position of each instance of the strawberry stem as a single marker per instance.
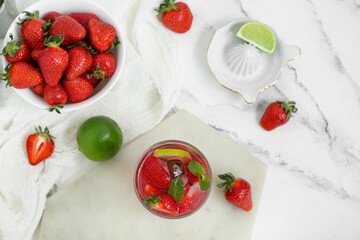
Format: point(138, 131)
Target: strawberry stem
point(152, 201)
point(99, 73)
point(229, 181)
point(289, 108)
point(114, 44)
point(83, 45)
point(11, 47)
point(56, 108)
point(54, 41)
point(44, 134)
point(28, 16)
point(166, 6)
point(5, 76)
point(46, 26)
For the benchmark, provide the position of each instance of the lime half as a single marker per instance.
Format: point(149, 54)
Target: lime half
point(259, 35)
point(170, 154)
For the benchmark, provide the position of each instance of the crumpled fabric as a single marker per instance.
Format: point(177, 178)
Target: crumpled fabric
point(145, 92)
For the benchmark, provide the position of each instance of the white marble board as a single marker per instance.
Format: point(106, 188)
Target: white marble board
point(103, 204)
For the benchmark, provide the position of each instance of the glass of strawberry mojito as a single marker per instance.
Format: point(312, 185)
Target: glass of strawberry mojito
point(172, 179)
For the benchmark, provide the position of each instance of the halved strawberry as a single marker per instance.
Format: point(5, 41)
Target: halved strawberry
point(154, 173)
point(191, 198)
point(163, 203)
point(39, 146)
point(150, 190)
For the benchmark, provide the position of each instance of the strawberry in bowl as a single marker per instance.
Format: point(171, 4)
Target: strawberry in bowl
point(77, 48)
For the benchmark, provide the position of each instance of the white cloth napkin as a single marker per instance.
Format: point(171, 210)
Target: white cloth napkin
point(152, 82)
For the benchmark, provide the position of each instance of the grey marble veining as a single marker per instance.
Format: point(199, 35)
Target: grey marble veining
point(315, 158)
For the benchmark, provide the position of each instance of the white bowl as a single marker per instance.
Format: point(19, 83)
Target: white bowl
point(66, 7)
point(242, 68)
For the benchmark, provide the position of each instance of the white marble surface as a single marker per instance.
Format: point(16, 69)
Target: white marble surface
point(313, 184)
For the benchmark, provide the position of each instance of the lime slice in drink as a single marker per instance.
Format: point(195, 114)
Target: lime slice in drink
point(171, 154)
point(259, 35)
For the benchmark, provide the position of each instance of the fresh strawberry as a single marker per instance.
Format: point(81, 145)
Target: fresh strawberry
point(237, 191)
point(176, 17)
point(39, 89)
point(277, 114)
point(91, 79)
point(32, 30)
point(103, 66)
point(39, 146)
point(55, 95)
point(80, 60)
point(53, 60)
point(154, 173)
point(162, 203)
point(102, 35)
point(68, 27)
point(150, 190)
point(84, 18)
point(35, 54)
point(77, 89)
point(191, 197)
point(22, 75)
point(52, 16)
point(16, 51)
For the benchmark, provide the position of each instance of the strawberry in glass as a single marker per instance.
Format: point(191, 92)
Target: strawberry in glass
point(172, 179)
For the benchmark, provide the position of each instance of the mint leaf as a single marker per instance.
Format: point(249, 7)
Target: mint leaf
point(177, 189)
point(205, 184)
point(196, 168)
point(200, 172)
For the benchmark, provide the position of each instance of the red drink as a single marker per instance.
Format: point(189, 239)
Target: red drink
point(172, 179)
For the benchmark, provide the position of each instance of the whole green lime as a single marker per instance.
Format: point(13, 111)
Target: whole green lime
point(99, 138)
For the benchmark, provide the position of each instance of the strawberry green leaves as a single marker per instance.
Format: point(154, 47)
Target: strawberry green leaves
point(289, 108)
point(152, 201)
point(28, 16)
point(56, 108)
point(177, 189)
point(199, 171)
point(229, 181)
point(5, 76)
point(11, 47)
point(166, 6)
